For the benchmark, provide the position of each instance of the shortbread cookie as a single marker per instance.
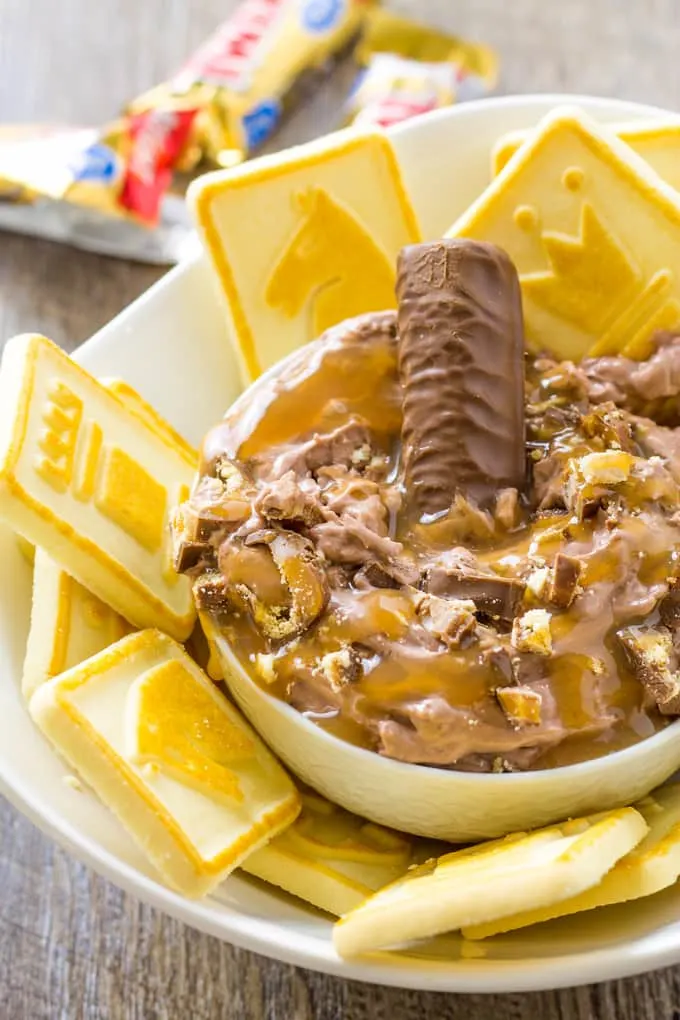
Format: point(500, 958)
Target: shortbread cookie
point(331, 858)
point(136, 403)
point(491, 880)
point(652, 865)
point(87, 480)
point(657, 141)
point(167, 752)
point(139, 406)
point(594, 234)
point(27, 550)
point(68, 624)
point(303, 239)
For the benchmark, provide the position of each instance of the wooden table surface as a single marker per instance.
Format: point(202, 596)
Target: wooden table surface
point(71, 945)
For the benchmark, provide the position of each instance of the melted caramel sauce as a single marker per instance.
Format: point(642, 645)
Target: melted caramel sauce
point(321, 393)
point(596, 698)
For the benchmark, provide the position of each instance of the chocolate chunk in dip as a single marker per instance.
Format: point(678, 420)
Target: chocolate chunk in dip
point(655, 661)
point(492, 594)
point(461, 350)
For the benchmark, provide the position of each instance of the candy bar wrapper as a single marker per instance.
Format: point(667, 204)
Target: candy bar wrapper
point(394, 88)
point(248, 73)
point(65, 184)
point(410, 68)
point(103, 190)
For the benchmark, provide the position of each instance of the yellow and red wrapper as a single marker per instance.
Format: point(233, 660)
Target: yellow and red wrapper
point(102, 189)
point(223, 103)
point(410, 68)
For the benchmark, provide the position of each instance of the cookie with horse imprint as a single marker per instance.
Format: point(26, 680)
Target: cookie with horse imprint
point(303, 239)
point(594, 233)
point(652, 865)
point(171, 757)
point(657, 141)
point(491, 880)
point(84, 478)
point(68, 624)
point(333, 859)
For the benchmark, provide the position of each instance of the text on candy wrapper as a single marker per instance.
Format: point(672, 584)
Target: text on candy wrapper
point(229, 57)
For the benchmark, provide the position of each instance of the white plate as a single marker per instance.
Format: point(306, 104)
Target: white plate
point(172, 345)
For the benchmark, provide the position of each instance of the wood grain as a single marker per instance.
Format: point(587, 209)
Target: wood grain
point(72, 947)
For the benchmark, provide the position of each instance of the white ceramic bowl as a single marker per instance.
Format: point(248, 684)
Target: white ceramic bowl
point(434, 802)
point(172, 345)
point(443, 804)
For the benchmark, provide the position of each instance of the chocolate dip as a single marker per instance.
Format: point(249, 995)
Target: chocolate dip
point(365, 534)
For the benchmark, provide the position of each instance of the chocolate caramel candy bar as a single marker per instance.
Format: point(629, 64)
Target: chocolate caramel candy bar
point(461, 366)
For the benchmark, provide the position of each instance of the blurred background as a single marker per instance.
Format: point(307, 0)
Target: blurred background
point(78, 62)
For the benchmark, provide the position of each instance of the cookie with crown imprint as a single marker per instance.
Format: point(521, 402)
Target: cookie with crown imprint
point(658, 142)
point(594, 233)
point(68, 623)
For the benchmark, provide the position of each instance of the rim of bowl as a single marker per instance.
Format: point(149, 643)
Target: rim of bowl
point(538, 99)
